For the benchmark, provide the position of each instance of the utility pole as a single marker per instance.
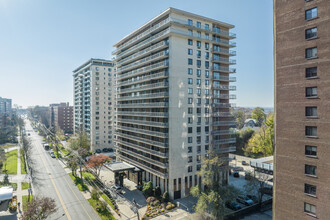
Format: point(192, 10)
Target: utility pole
point(136, 209)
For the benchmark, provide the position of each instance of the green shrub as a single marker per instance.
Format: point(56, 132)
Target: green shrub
point(166, 197)
point(147, 189)
point(95, 195)
point(156, 203)
point(168, 207)
point(158, 192)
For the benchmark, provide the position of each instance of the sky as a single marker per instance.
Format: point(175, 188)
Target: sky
point(42, 42)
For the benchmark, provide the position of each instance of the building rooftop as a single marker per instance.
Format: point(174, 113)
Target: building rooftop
point(119, 166)
point(101, 62)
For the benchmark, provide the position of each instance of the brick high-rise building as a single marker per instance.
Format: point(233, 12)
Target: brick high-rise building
point(173, 82)
point(302, 107)
point(62, 116)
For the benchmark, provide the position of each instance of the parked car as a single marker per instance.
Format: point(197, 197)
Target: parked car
point(116, 188)
point(244, 200)
point(110, 150)
point(98, 151)
point(105, 149)
point(245, 163)
point(253, 198)
point(248, 176)
point(236, 174)
point(233, 205)
point(238, 169)
point(52, 155)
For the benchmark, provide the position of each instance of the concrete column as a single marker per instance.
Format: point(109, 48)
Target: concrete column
point(162, 185)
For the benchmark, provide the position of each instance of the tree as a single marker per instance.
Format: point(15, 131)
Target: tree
point(40, 208)
point(158, 191)
point(147, 189)
point(256, 184)
point(166, 197)
point(211, 202)
point(94, 194)
point(242, 138)
point(240, 119)
point(259, 115)
point(96, 162)
point(262, 142)
point(73, 163)
point(60, 133)
point(2, 157)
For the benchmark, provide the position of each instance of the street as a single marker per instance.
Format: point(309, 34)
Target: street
point(51, 180)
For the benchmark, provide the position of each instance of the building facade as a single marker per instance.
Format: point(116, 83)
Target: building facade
point(62, 117)
point(302, 105)
point(93, 101)
point(173, 76)
point(5, 106)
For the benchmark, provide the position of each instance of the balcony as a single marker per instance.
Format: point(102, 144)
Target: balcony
point(143, 87)
point(143, 131)
point(162, 74)
point(146, 114)
point(152, 67)
point(140, 122)
point(140, 139)
point(225, 78)
point(144, 96)
point(146, 150)
point(227, 149)
point(221, 105)
point(224, 51)
point(222, 132)
point(222, 114)
point(224, 141)
point(143, 105)
point(224, 96)
point(223, 123)
point(223, 60)
point(224, 69)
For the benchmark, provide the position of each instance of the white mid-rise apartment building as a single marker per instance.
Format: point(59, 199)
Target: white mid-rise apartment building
point(93, 101)
point(173, 98)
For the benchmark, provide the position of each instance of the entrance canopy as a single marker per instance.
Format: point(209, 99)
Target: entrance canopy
point(119, 166)
point(6, 193)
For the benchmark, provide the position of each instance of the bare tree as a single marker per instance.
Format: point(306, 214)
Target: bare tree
point(40, 208)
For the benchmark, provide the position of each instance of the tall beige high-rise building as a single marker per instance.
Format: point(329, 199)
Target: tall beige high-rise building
point(93, 101)
point(173, 82)
point(302, 106)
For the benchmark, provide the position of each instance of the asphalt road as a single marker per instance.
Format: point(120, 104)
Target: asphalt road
point(51, 180)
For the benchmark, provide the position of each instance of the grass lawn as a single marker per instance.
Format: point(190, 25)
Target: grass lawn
point(25, 186)
point(79, 183)
point(105, 197)
point(11, 162)
point(105, 215)
point(23, 171)
point(25, 201)
point(5, 146)
point(88, 176)
point(14, 185)
point(64, 151)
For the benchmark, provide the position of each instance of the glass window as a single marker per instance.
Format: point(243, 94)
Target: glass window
point(199, 72)
point(190, 42)
point(310, 151)
point(311, 111)
point(198, 44)
point(311, 13)
point(198, 53)
point(190, 71)
point(311, 91)
point(207, 27)
point(189, 169)
point(189, 149)
point(207, 37)
point(190, 81)
point(199, 149)
point(207, 46)
point(189, 130)
point(311, 33)
point(207, 55)
point(190, 139)
point(190, 22)
point(199, 34)
point(198, 24)
point(190, 91)
point(190, 33)
point(309, 208)
point(311, 52)
point(190, 61)
point(199, 92)
point(207, 92)
point(310, 189)
point(207, 64)
point(310, 170)
point(190, 110)
point(190, 120)
point(198, 82)
point(311, 131)
point(207, 101)
point(190, 100)
point(207, 73)
point(190, 51)
point(190, 159)
point(311, 72)
point(198, 167)
point(207, 82)
point(199, 63)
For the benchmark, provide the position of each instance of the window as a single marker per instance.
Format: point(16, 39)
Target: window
point(198, 110)
point(206, 129)
point(199, 34)
point(199, 158)
point(207, 55)
point(190, 91)
point(190, 120)
point(311, 91)
point(207, 92)
point(311, 72)
point(310, 170)
point(190, 33)
point(310, 189)
point(190, 52)
point(198, 44)
point(207, 101)
point(189, 169)
point(311, 33)
point(198, 139)
point(207, 73)
point(199, 72)
point(190, 140)
point(311, 111)
point(199, 149)
point(207, 64)
point(190, 42)
point(190, 81)
point(309, 208)
point(198, 24)
point(207, 27)
point(199, 63)
point(311, 131)
point(206, 82)
point(310, 151)
point(207, 37)
point(190, 100)
point(199, 53)
point(190, 110)
point(311, 13)
point(198, 129)
point(190, 159)
point(199, 101)
point(190, 61)
point(189, 149)
point(189, 130)
point(311, 53)
point(207, 46)
point(198, 167)
point(190, 22)
point(190, 71)
point(198, 82)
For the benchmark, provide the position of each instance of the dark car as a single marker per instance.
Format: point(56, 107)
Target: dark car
point(245, 163)
point(52, 155)
point(233, 205)
point(98, 151)
point(236, 174)
point(253, 198)
point(110, 150)
point(244, 200)
point(105, 150)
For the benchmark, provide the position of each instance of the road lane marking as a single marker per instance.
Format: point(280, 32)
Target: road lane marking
point(56, 190)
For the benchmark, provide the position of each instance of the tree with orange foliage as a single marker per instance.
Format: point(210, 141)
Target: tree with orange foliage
point(96, 162)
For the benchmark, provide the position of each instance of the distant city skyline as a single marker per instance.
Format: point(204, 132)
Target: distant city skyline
point(43, 42)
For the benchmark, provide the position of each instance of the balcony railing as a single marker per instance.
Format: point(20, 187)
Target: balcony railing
point(143, 96)
point(147, 141)
point(227, 149)
point(143, 87)
point(224, 96)
point(222, 132)
point(143, 78)
point(140, 122)
point(143, 105)
point(224, 141)
point(224, 51)
point(143, 131)
point(146, 150)
point(224, 69)
point(143, 69)
point(225, 78)
point(224, 60)
point(147, 114)
point(223, 123)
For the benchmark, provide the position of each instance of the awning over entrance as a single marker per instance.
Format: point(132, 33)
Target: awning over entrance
point(6, 193)
point(119, 166)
